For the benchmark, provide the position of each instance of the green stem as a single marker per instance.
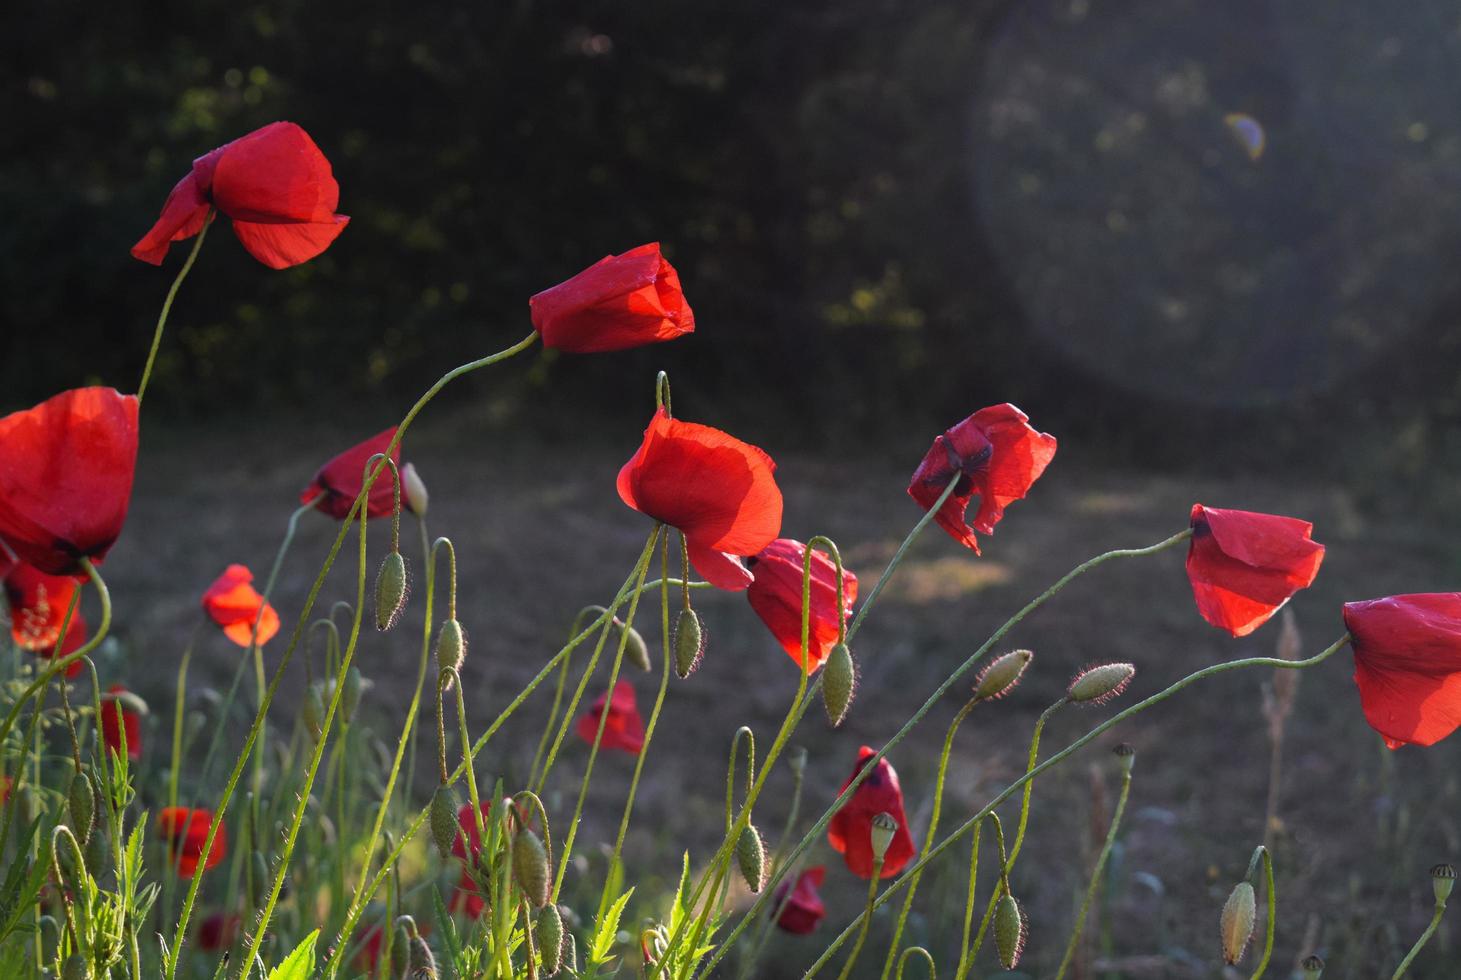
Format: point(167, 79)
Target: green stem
point(966, 959)
point(1425, 937)
point(1095, 883)
point(167, 305)
point(867, 918)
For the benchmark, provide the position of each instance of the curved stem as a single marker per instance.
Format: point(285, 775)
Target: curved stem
point(966, 958)
point(1425, 937)
point(1095, 883)
point(167, 305)
point(927, 958)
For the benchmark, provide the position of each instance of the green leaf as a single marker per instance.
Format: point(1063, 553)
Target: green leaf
point(300, 964)
point(607, 931)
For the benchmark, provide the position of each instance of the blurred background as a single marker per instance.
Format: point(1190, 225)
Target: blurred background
point(1210, 246)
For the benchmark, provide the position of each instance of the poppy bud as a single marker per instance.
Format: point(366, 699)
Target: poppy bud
point(444, 819)
point(1443, 879)
point(884, 827)
point(420, 962)
point(1312, 967)
point(451, 646)
point(76, 968)
point(1001, 676)
point(1239, 912)
point(689, 643)
point(413, 491)
point(81, 802)
point(530, 866)
point(1010, 931)
point(751, 856)
point(635, 650)
point(570, 953)
point(350, 697)
point(390, 591)
point(1097, 685)
point(549, 935)
point(313, 711)
point(839, 683)
point(97, 855)
point(1126, 755)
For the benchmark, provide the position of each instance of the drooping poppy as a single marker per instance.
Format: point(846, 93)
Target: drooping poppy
point(776, 596)
point(618, 302)
point(274, 183)
point(1244, 566)
point(218, 931)
point(131, 726)
point(804, 910)
point(719, 492)
point(850, 830)
point(625, 728)
point(186, 832)
point(66, 480)
point(38, 606)
point(1407, 665)
point(337, 484)
point(1000, 457)
point(234, 604)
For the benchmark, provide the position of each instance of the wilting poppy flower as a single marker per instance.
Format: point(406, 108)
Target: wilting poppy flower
point(66, 479)
point(1000, 457)
point(186, 831)
point(467, 900)
point(625, 728)
point(274, 183)
point(719, 492)
point(234, 604)
point(850, 831)
point(218, 931)
point(620, 301)
point(776, 596)
point(38, 606)
point(804, 911)
point(340, 481)
point(1407, 665)
point(131, 726)
point(1245, 566)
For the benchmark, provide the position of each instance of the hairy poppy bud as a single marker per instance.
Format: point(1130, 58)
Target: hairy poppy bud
point(390, 591)
point(751, 856)
point(420, 961)
point(1097, 685)
point(839, 683)
point(413, 490)
point(313, 711)
point(1126, 755)
point(1009, 931)
point(1443, 879)
point(76, 968)
point(350, 696)
point(689, 643)
point(451, 646)
point(1312, 967)
point(530, 866)
point(1239, 912)
point(444, 819)
point(635, 650)
point(1001, 676)
point(549, 934)
point(81, 804)
point(570, 953)
point(97, 855)
point(884, 828)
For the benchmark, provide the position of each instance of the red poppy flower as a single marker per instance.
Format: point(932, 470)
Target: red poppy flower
point(1245, 566)
point(776, 596)
point(38, 606)
point(1000, 455)
point(111, 734)
point(719, 492)
point(67, 477)
point(1407, 665)
point(804, 911)
point(467, 900)
point(850, 832)
point(234, 604)
point(340, 481)
point(274, 183)
point(186, 831)
point(625, 728)
point(218, 931)
point(618, 302)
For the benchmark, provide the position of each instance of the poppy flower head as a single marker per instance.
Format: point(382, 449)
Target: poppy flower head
point(186, 832)
point(131, 723)
point(38, 607)
point(717, 491)
point(621, 301)
point(850, 830)
point(776, 596)
point(804, 910)
point(999, 456)
point(234, 604)
point(1407, 660)
point(1244, 566)
point(624, 729)
point(67, 477)
point(335, 487)
point(274, 183)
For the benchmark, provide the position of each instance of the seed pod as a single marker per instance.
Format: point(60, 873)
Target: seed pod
point(451, 646)
point(1001, 676)
point(444, 819)
point(884, 828)
point(1312, 967)
point(1097, 685)
point(839, 683)
point(1443, 879)
point(81, 804)
point(1239, 912)
point(98, 855)
point(530, 866)
point(549, 934)
point(635, 650)
point(1126, 755)
point(350, 697)
point(689, 643)
point(413, 491)
point(751, 856)
point(313, 711)
point(390, 591)
point(1010, 930)
point(76, 968)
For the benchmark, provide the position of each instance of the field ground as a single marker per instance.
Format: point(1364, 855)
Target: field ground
point(541, 533)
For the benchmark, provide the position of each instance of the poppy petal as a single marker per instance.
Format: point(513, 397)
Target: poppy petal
point(183, 215)
point(280, 246)
point(275, 174)
point(619, 302)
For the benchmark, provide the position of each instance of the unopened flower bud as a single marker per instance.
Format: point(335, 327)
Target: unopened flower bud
point(420, 961)
point(884, 826)
point(1443, 879)
point(549, 935)
point(444, 819)
point(1001, 676)
point(839, 683)
point(751, 856)
point(350, 696)
point(1239, 912)
point(313, 711)
point(81, 806)
point(1097, 685)
point(635, 650)
point(97, 855)
point(796, 759)
point(689, 643)
point(1126, 755)
point(1312, 967)
point(570, 953)
point(413, 491)
point(530, 866)
point(76, 968)
point(451, 646)
point(1009, 931)
point(390, 591)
